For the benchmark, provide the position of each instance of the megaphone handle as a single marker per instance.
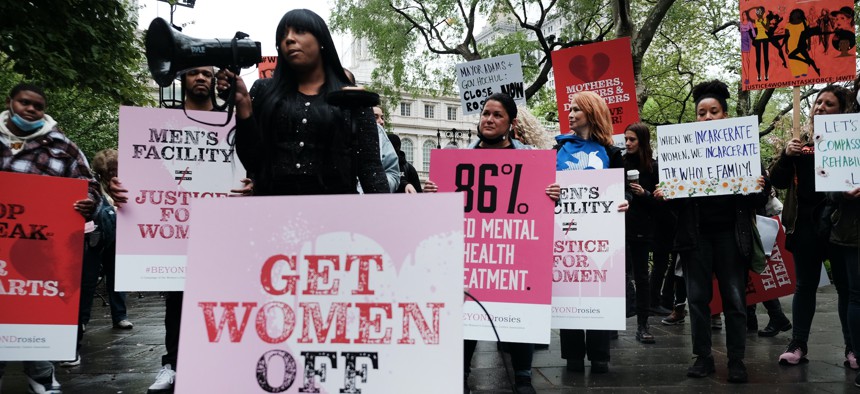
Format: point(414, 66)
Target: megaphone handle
point(229, 95)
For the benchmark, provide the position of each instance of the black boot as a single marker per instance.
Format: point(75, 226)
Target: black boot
point(643, 334)
point(778, 323)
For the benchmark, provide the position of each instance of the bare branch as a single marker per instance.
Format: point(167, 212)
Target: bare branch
point(770, 128)
point(724, 26)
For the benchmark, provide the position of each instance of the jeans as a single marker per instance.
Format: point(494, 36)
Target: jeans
point(576, 344)
point(809, 254)
point(89, 279)
point(116, 299)
point(717, 254)
point(521, 356)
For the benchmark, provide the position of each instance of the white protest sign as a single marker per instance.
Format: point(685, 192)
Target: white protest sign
point(481, 78)
point(837, 152)
point(709, 158)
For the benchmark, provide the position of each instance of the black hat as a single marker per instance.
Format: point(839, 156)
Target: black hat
point(847, 11)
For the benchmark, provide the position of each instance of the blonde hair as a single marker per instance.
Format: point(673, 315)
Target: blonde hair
point(101, 162)
point(531, 130)
point(597, 114)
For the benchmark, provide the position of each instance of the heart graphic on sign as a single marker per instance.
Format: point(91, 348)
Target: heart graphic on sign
point(586, 72)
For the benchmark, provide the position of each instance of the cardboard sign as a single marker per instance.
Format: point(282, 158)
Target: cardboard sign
point(796, 43)
point(324, 294)
point(837, 152)
point(267, 66)
point(605, 68)
point(481, 78)
point(709, 158)
point(166, 161)
point(508, 231)
point(777, 280)
point(588, 262)
point(41, 252)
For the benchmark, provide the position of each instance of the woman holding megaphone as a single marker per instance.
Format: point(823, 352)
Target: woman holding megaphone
point(288, 136)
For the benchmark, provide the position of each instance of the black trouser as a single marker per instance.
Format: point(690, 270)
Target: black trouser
point(662, 280)
point(809, 254)
point(637, 263)
point(172, 319)
point(576, 344)
point(717, 254)
point(521, 356)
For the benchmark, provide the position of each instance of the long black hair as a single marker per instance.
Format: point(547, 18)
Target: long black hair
point(284, 83)
point(641, 160)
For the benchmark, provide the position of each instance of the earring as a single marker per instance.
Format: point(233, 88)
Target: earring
point(322, 47)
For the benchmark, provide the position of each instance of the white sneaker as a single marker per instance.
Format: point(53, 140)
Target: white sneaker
point(48, 385)
point(71, 363)
point(123, 325)
point(164, 381)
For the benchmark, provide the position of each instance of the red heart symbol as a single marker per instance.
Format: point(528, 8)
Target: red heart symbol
point(600, 64)
point(578, 67)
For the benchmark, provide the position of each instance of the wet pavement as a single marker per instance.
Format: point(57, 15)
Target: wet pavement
point(126, 361)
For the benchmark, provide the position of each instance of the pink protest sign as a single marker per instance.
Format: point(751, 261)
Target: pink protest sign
point(41, 247)
point(588, 253)
point(508, 231)
point(166, 161)
point(324, 294)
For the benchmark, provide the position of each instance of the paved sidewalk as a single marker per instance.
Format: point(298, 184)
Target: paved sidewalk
point(126, 361)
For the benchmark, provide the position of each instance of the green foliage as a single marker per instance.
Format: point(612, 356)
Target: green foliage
point(75, 43)
point(88, 57)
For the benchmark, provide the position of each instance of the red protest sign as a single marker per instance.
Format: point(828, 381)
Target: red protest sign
point(605, 68)
point(777, 280)
point(41, 246)
point(796, 43)
point(266, 67)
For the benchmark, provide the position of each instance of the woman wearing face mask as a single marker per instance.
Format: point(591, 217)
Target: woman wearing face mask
point(498, 121)
point(804, 213)
point(640, 220)
point(288, 136)
point(588, 146)
point(715, 237)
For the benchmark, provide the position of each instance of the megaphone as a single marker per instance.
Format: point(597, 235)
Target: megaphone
point(169, 52)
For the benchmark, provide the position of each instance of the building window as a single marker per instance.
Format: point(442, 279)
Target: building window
point(407, 148)
point(429, 111)
point(428, 146)
point(405, 109)
point(452, 113)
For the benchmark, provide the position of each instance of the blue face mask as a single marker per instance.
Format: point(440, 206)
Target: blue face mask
point(26, 125)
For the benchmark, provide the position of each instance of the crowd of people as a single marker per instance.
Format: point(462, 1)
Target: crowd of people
point(292, 141)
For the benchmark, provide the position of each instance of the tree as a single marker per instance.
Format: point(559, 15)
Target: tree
point(87, 55)
point(75, 43)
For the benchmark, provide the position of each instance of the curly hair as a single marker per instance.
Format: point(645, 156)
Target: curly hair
point(530, 132)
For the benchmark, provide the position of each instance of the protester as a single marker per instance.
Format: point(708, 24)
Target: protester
point(639, 164)
point(498, 120)
point(410, 183)
point(715, 237)
point(387, 153)
point(588, 146)
point(100, 256)
point(198, 95)
point(529, 131)
point(844, 246)
point(806, 217)
point(105, 168)
point(288, 136)
point(31, 143)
